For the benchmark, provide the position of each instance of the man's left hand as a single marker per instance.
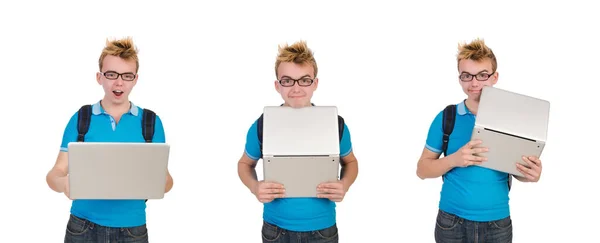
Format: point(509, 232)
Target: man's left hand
point(334, 191)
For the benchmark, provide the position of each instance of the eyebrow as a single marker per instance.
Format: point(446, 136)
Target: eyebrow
point(285, 76)
point(484, 70)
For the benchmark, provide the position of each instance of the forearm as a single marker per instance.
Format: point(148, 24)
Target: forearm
point(433, 168)
point(349, 172)
point(248, 176)
point(56, 180)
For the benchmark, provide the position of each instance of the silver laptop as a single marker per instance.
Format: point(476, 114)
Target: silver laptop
point(511, 125)
point(300, 147)
point(117, 170)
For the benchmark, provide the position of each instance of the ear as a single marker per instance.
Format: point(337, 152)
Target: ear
point(276, 85)
point(98, 76)
point(316, 84)
point(136, 79)
point(495, 78)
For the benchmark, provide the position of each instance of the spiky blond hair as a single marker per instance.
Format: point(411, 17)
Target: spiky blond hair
point(122, 48)
point(476, 51)
point(298, 53)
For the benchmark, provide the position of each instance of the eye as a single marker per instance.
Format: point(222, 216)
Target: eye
point(305, 81)
point(110, 75)
point(465, 76)
point(483, 76)
point(129, 76)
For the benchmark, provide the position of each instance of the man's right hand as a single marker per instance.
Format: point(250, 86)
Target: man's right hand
point(266, 192)
point(465, 156)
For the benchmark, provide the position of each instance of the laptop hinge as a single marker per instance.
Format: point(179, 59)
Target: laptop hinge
point(300, 156)
point(508, 134)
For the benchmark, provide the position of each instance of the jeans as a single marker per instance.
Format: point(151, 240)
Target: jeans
point(274, 234)
point(82, 230)
point(453, 229)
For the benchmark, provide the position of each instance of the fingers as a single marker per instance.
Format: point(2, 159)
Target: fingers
point(267, 197)
point(330, 190)
point(473, 143)
point(332, 185)
point(332, 197)
point(530, 174)
point(271, 185)
point(526, 172)
point(534, 160)
point(269, 191)
point(469, 160)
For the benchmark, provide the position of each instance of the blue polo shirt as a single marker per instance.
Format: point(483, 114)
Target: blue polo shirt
point(297, 214)
point(103, 128)
point(473, 193)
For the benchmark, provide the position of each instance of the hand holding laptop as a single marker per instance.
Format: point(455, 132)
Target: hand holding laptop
point(465, 156)
point(266, 192)
point(533, 170)
point(334, 191)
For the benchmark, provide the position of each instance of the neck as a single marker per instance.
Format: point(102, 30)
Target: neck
point(303, 105)
point(115, 109)
point(472, 105)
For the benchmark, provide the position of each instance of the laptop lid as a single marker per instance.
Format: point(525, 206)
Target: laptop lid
point(513, 114)
point(307, 131)
point(117, 170)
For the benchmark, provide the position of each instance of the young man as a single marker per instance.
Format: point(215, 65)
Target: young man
point(113, 119)
point(297, 219)
point(474, 200)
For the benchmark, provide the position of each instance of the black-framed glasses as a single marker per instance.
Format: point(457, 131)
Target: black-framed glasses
point(112, 75)
point(467, 77)
point(289, 82)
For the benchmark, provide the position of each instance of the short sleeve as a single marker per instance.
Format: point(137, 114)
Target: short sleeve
point(70, 133)
point(159, 131)
point(252, 148)
point(435, 134)
point(346, 142)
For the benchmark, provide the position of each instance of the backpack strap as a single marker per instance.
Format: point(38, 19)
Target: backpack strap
point(448, 126)
point(148, 121)
point(83, 121)
point(259, 131)
point(148, 125)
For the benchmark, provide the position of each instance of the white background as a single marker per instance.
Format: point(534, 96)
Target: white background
point(207, 70)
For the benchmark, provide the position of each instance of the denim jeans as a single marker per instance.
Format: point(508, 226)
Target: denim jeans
point(82, 230)
point(453, 229)
point(274, 234)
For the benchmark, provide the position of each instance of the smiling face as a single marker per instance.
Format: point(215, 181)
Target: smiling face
point(477, 67)
point(473, 75)
point(117, 87)
point(296, 84)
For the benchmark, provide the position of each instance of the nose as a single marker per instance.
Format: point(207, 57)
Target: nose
point(295, 87)
point(475, 83)
point(119, 81)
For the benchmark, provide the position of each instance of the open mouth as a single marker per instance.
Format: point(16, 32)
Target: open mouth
point(118, 92)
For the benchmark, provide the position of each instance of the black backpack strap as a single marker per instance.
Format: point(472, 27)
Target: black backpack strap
point(448, 118)
point(84, 117)
point(448, 126)
point(259, 131)
point(148, 125)
point(341, 123)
